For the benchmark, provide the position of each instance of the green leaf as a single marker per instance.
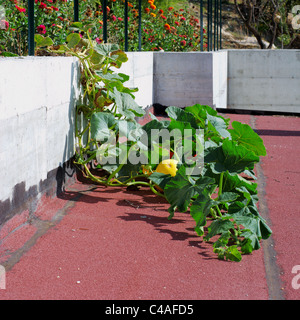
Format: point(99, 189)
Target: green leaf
point(96, 59)
point(232, 253)
point(174, 124)
point(179, 114)
point(200, 209)
point(131, 130)
point(201, 113)
point(127, 171)
point(219, 226)
point(110, 76)
point(72, 40)
point(77, 25)
point(101, 124)
point(8, 54)
point(227, 197)
point(223, 239)
point(249, 218)
point(105, 49)
point(250, 239)
point(229, 253)
point(119, 57)
point(245, 136)
point(160, 179)
point(179, 191)
point(218, 125)
point(126, 105)
point(41, 41)
point(232, 157)
point(247, 246)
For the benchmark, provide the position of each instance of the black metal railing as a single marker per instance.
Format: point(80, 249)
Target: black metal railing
point(213, 24)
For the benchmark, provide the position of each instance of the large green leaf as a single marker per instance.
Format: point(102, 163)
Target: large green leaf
point(232, 157)
point(110, 76)
point(218, 125)
point(179, 114)
point(179, 191)
point(200, 210)
point(101, 124)
point(126, 105)
point(131, 130)
point(201, 113)
point(245, 136)
point(153, 127)
point(249, 218)
point(219, 226)
point(160, 179)
point(105, 49)
point(72, 40)
point(41, 41)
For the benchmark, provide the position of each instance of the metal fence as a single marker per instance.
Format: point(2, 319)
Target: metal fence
point(213, 23)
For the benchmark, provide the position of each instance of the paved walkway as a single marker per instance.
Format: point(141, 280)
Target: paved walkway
point(104, 243)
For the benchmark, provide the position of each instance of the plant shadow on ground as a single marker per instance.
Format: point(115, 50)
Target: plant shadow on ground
point(161, 223)
point(139, 200)
point(287, 133)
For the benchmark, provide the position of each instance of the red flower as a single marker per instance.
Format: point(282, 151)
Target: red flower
point(41, 29)
point(163, 17)
point(182, 18)
point(167, 26)
point(183, 42)
point(54, 8)
point(20, 9)
point(42, 5)
point(120, 19)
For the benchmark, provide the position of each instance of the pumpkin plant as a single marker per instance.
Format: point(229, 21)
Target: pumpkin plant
point(113, 149)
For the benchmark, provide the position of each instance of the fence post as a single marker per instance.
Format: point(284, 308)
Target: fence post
point(215, 23)
point(220, 24)
point(201, 25)
point(104, 10)
point(31, 27)
point(140, 25)
point(208, 25)
point(126, 24)
point(76, 11)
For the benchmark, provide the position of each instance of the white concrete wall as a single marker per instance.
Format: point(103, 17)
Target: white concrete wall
point(264, 80)
point(140, 69)
point(185, 78)
point(37, 98)
point(219, 79)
